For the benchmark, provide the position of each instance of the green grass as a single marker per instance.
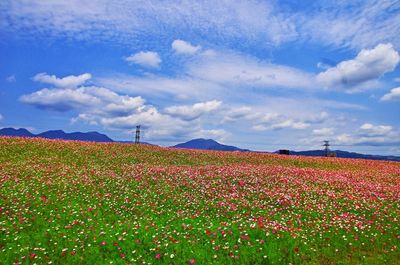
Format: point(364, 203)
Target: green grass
point(85, 203)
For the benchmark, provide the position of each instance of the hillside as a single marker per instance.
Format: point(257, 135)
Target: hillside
point(345, 154)
point(208, 144)
point(70, 202)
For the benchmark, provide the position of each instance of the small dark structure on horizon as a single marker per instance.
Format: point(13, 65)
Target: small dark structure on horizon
point(137, 135)
point(328, 153)
point(326, 145)
point(284, 152)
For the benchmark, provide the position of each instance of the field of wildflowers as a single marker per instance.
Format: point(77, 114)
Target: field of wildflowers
point(88, 203)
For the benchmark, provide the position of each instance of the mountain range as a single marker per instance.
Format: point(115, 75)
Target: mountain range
point(345, 154)
point(203, 144)
point(209, 144)
point(57, 134)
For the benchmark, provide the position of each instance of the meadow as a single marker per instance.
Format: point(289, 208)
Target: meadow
point(70, 202)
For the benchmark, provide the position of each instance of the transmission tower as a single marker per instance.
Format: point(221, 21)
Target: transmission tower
point(326, 144)
point(137, 135)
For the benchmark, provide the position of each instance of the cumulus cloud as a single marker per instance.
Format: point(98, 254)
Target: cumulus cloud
point(90, 99)
point(96, 105)
point(146, 116)
point(60, 99)
point(361, 72)
point(370, 134)
point(183, 47)
point(369, 130)
point(238, 113)
point(70, 81)
point(323, 132)
point(155, 125)
point(274, 121)
point(145, 58)
point(191, 112)
point(394, 94)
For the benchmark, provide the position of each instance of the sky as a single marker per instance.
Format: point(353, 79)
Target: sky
point(262, 75)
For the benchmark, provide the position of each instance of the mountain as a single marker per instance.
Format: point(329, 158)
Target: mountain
point(58, 134)
point(208, 144)
point(89, 136)
point(16, 132)
point(345, 154)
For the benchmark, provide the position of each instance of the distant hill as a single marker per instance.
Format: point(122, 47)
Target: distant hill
point(89, 136)
point(208, 144)
point(58, 134)
point(16, 132)
point(345, 154)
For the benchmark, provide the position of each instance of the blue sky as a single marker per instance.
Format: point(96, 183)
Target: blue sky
point(262, 75)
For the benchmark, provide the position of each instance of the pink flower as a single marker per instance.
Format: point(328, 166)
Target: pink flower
point(191, 261)
point(158, 256)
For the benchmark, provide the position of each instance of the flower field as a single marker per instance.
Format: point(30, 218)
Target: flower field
point(88, 203)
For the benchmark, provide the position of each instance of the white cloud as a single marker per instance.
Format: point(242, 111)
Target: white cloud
point(1, 117)
point(11, 79)
point(91, 99)
point(155, 125)
point(232, 69)
point(362, 71)
point(277, 114)
point(101, 106)
point(368, 129)
point(370, 134)
point(214, 74)
point(146, 116)
point(183, 47)
point(351, 24)
point(323, 132)
point(145, 58)
point(274, 121)
point(394, 94)
point(317, 118)
point(215, 134)
point(238, 113)
point(254, 23)
point(70, 81)
point(191, 112)
point(157, 86)
point(60, 99)
point(128, 21)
